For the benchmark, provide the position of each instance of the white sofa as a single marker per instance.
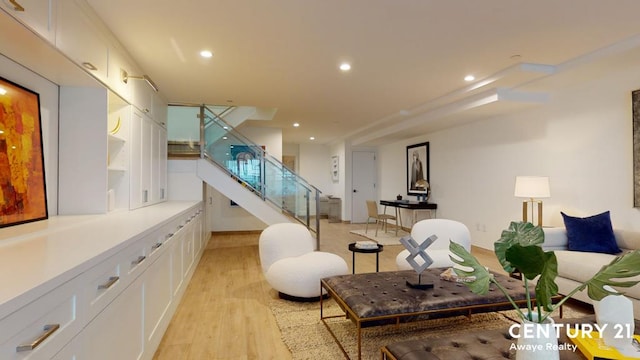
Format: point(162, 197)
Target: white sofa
point(575, 267)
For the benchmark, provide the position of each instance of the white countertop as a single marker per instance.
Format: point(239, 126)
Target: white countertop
point(38, 257)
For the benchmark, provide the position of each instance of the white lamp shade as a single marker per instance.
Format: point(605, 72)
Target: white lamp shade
point(532, 187)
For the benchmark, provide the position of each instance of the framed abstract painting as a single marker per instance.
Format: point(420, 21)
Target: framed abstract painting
point(23, 195)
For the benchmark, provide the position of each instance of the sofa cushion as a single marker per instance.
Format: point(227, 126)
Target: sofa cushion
point(580, 267)
point(555, 238)
point(591, 234)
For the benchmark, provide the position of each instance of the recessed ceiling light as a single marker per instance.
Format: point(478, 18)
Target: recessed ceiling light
point(296, 124)
point(224, 138)
point(206, 53)
point(345, 66)
point(469, 78)
point(312, 138)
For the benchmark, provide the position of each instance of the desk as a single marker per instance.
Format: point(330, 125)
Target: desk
point(414, 206)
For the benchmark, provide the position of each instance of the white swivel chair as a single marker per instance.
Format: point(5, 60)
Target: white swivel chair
point(445, 230)
point(290, 264)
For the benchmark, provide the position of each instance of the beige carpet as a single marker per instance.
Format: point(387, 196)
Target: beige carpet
point(384, 238)
point(307, 337)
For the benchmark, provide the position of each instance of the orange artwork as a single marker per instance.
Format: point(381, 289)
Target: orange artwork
point(23, 196)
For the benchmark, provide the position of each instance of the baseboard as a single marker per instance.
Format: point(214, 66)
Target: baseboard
point(237, 232)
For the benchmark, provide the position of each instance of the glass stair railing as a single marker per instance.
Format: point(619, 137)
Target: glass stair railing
point(258, 171)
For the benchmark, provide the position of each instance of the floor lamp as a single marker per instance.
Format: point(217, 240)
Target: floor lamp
point(532, 188)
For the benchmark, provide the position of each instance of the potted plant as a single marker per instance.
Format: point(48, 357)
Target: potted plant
point(520, 249)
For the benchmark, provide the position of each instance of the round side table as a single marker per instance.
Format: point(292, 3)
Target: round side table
point(354, 249)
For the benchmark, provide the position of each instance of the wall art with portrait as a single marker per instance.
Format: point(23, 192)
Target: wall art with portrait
point(635, 98)
point(418, 169)
point(23, 195)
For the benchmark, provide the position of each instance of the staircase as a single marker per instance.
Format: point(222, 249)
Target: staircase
point(245, 173)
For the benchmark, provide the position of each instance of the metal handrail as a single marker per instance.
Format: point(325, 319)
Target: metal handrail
point(265, 158)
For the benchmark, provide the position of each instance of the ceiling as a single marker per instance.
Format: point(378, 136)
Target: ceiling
point(408, 57)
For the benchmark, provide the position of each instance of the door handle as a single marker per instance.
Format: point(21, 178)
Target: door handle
point(355, 191)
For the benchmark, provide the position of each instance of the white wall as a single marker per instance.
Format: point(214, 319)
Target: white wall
point(48, 92)
point(315, 167)
point(582, 140)
point(182, 181)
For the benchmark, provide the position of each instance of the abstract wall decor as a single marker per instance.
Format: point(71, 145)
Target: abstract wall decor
point(635, 97)
point(23, 195)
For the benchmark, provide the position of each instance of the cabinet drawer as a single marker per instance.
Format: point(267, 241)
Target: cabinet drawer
point(103, 283)
point(134, 261)
point(40, 329)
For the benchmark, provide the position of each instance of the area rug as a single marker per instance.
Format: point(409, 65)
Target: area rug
point(307, 337)
point(383, 238)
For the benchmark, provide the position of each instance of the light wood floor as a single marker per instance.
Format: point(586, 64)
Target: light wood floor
point(224, 313)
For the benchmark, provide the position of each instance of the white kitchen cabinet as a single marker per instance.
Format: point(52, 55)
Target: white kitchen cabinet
point(159, 110)
point(158, 163)
point(40, 329)
point(118, 120)
point(93, 152)
point(81, 35)
point(157, 298)
point(148, 162)
point(141, 146)
point(38, 15)
point(142, 96)
point(83, 145)
point(112, 306)
point(177, 275)
point(118, 333)
point(71, 351)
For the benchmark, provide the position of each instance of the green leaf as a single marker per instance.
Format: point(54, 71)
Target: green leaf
point(518, 233)
point(483, 277)
point(625, 266)
point(532, 262)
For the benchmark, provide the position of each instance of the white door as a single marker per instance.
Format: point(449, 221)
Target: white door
point(364, 184)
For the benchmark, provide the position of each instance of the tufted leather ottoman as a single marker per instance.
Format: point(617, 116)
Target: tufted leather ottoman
point(485, 345)
point(374, 299)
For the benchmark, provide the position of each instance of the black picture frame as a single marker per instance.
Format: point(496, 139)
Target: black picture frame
point(418, 171)
point(23, 188)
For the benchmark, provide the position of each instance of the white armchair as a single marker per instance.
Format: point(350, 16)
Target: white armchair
point(445, 230)
point(290, 264)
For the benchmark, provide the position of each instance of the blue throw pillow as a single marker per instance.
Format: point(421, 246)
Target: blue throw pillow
point(591, 234)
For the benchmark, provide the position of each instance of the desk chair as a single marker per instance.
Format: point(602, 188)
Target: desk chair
point(372, 209)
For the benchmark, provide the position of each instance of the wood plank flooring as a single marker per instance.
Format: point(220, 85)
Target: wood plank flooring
point(224, 313)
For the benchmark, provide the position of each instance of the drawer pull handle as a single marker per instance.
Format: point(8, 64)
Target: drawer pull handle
point(138, 260)
point(156, 245)
point(112, 280)
point(48, 330)
point(169, 235)
point(16, 6)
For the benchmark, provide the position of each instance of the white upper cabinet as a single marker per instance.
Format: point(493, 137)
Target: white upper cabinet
point(38, 15)
point(80, 37)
